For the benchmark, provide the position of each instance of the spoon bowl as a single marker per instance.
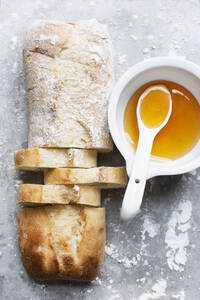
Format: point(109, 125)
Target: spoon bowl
point(141, 125)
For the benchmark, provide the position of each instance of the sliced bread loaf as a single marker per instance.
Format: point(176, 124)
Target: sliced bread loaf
point(36, 159)
point(36, 194)
point(103, 177)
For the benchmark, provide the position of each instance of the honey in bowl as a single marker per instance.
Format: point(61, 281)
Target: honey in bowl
point(182, 131)
point(154, 106)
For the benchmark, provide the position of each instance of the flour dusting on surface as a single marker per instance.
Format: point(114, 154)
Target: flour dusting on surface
point(150, 228)
point(122, 59)
point(179, 296)
point(112, 251)
point(177, 238)
point(157, 291)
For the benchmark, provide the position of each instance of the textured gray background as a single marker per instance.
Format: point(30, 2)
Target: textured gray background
point(136, 265)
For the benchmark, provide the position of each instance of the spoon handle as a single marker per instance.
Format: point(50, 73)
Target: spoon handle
point(137, 181)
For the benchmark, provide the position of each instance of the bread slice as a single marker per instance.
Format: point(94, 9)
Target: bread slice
point(36, 194)
point(62, 241)
point(35, 159)
point(69, 78)
point(103, 177)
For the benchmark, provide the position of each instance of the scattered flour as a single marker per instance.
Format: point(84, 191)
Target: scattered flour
point(180, 296)
point(177, 238)
point(13, 43)
point(121, 59)
point(53, 38)
point(112, 251)
point(172, 53)
point(150, 37)
point(158, 290)
point(14, 67)
point(133, 37)
point(150, 228)
point(135, 17)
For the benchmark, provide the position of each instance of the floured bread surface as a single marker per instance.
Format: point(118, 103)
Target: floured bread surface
point(36, 159)
point(62, 241)
point(102, 177)
point(69, 77)
point(36, 194)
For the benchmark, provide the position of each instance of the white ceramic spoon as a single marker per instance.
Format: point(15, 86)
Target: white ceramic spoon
point(137, 181)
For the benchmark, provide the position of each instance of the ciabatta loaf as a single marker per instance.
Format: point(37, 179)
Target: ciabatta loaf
point(36, 194)
point(69, 77)
point(103, 177)
point(36, 159)
point(62, 241)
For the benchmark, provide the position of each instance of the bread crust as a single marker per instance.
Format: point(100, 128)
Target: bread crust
point(62, 242)
point(103, 177)
point(36, 194)
point(69, 78)
point(36, 159)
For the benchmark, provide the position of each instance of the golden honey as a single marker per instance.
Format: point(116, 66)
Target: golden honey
point(154, 106)
point(182, 131)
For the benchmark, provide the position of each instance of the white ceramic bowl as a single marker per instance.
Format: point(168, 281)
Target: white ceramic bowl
point(178, 70)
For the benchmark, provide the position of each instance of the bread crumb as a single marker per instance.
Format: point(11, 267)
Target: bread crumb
point(145, 50)
point(98, 280)
point(19, 181)
point(107, 200)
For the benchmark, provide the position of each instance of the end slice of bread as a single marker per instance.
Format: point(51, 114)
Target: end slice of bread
point(36, 194)
point(103, 177)
point(35, 159)
point(62, 241)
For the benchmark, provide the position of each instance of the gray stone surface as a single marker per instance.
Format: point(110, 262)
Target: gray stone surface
point(158, 255)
